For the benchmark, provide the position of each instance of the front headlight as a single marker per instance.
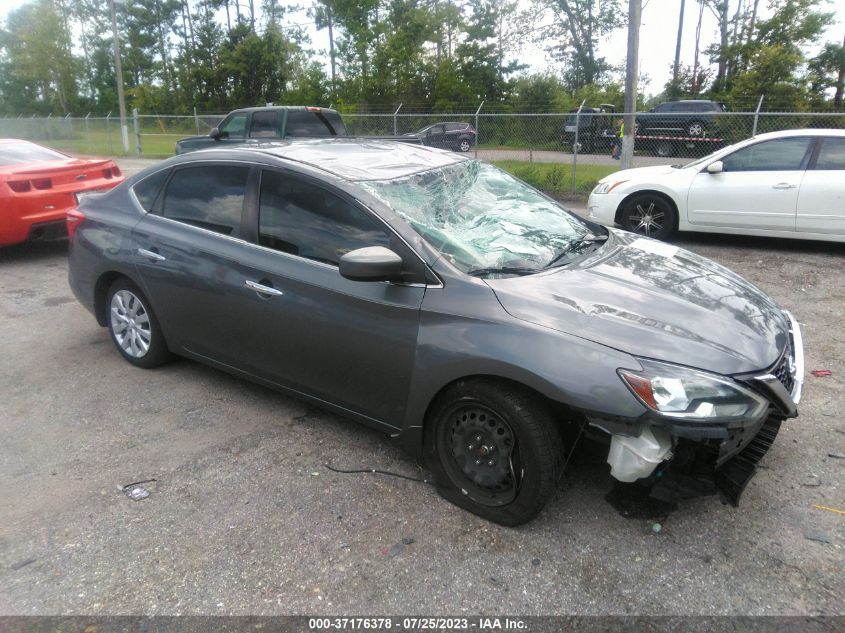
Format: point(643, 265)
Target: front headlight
point(607, 186)
point(680, 392)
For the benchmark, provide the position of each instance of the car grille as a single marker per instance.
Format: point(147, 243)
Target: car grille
point(783, 369)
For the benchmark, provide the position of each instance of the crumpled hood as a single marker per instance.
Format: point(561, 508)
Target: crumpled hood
point(657, 301)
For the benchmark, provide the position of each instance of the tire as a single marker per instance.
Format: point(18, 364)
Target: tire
point(464, 145)
point(665, 149)
point(133, 327)
point(696, 128)
point(649, 215)
point(507, 475)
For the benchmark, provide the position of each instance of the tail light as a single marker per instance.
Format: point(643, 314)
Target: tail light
point(107, 172)
point(74, 219)
point(115, 171)
point(471, 130)
point(20, 186)
point(42, 183)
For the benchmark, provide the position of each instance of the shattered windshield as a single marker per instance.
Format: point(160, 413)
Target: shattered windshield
point(481, 218)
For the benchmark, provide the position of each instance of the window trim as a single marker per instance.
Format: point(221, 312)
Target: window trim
point(347, 197)
point(809, 154)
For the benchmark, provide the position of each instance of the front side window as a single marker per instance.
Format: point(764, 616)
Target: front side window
point(832, 154)
point(783, 154)
point(263, 125)
point(210, 197)
point(480, 217)
point(302, 219)
point(234, 126)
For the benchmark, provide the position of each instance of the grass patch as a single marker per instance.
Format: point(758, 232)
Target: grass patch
point(554, 178)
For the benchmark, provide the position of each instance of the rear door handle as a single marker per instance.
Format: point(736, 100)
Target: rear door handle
point(156, 257)
point(262, 289)
point(784, 185)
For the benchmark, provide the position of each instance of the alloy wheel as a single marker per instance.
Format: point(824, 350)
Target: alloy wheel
point(130, 323)
point(647, 219)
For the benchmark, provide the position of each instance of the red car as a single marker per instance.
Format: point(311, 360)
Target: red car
point(38, 186)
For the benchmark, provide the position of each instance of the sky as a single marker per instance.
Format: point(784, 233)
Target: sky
point(657, 38)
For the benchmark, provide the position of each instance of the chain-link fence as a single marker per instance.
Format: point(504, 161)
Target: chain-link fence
point(558, 151)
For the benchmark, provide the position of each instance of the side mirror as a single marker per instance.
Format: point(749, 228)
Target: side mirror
point(215, 133)
point(372, 263)
point(716, 168)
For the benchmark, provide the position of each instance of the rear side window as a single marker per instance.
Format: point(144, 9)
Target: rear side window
point(783, 154)
point(314, 123)
point(456, 127)
point(302, 219)
point(832, 154)
point(263, 125)
point(148, 189)
point(210, 197)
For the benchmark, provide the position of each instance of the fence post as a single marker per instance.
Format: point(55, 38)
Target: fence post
point(756, 114)
point(87, 129)
point(196, 120)
point(480, 105)
point(395, 133)
point(575, 145)
point(69, 124)
point(137, 125)
point(108, 132)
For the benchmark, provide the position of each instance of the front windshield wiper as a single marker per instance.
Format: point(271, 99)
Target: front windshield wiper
point(573, 245)
point(501, 270)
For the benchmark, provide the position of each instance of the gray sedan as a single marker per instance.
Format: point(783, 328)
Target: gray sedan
point(440, 300)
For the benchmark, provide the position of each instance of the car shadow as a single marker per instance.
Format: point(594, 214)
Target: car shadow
point(774, 244)
point(33, 250)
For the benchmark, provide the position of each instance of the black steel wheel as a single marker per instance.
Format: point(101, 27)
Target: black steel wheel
point(650, 215)
point(495, 450)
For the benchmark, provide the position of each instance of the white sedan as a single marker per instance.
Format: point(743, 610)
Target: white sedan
point(782, 184)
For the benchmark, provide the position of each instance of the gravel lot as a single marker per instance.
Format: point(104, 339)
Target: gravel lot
point(245, 519)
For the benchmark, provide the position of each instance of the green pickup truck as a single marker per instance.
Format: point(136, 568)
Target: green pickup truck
point(256, 125)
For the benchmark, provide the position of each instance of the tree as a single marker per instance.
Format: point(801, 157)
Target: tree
point(826, 71)
point(575, 32)
point(39, 71)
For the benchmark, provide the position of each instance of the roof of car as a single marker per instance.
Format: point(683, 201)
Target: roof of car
point(285, 107)
point(354, 159)
point(800, 132)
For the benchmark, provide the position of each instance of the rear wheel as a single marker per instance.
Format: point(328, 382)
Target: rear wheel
point(649, 215)
point(133, 326)
point(495, 450)
point(464, 145)
point(696, 128)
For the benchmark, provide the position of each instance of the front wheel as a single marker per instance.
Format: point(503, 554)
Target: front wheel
point(133, 326)
point(495, 450)
point(649, 215)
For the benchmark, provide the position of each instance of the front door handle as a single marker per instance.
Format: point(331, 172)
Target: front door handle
point(262, 289)
point(784, 185)
point(156, 257)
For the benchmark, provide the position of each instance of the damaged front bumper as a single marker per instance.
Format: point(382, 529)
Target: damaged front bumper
point(691, 458)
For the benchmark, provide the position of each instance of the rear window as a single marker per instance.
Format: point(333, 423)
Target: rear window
point(314, 123)
point(23, 152)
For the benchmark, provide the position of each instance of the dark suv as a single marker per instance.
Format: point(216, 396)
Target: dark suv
point(692, 117)
point(262, 124)
point(449, 135)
